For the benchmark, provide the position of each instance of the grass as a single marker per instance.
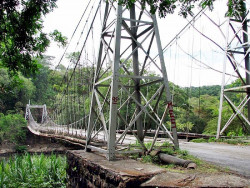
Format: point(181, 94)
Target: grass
point(199, 140)
point(33, 171)
point(233, 141)
point(202, 166)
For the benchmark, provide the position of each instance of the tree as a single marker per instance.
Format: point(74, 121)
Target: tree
point(21, 36)
point(164, 7)
point(15, 92)
point(12, 128)
point(44, 86)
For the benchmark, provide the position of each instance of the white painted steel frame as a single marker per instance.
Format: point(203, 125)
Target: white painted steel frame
point(109, 126)
point(245, 88)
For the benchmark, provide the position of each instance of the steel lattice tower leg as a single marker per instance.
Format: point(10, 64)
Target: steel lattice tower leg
point(122, 58)
point(236, 53)
point(246, 52)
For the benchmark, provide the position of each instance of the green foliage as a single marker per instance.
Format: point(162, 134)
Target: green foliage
point(73, 57)
point(235, 8)
point(150, 159)
point(212, 139)
point(175, 152)
point(21, 36)
point(44, 83)
point(183, 154)
point(211, 128)
point(233, 141)
point(164, 7)
point(206, 90)
point(193, 114)
point(235, 127)
point(168, 150)
point(187, 126)
point(33, 171)
point(166, 144)
point(240, 132)
point(12, 128)
point(199, 140)
point(231, 134)
point(169, 6)
point(165, 147)
point(58, 37)
point(14, 92)
point(21, 148)
point(238, 141)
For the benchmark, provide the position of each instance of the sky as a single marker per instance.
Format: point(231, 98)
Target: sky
point(181, 68)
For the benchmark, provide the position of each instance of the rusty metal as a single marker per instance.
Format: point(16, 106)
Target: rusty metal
point(177, 161)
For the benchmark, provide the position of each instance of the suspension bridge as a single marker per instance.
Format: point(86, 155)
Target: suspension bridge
point(117, 83)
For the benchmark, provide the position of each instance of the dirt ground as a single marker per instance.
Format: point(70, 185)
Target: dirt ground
point(9, 149)
point(37, 144)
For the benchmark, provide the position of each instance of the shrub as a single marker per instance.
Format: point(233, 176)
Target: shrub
point(21, 148)
point(12, 128)
point(212, 139)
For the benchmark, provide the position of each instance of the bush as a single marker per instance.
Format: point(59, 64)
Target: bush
point(212, 139)
point(12, 128)
point(21, 148)
point(231, 134)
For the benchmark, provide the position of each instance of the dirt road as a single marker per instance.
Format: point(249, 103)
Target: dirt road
point(236, 158)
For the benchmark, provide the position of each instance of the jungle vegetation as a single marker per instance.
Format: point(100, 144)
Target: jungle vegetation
point(196, 108)
point(26, 74)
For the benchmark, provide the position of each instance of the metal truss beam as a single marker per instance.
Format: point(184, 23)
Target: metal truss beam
point(120, 82)
point(237, 46)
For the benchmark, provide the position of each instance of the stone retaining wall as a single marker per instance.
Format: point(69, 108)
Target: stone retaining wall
point(93, 170)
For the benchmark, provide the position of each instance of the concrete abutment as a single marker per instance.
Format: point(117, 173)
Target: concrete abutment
point(91, 169)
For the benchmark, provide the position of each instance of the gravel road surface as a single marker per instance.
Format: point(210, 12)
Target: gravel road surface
point(237, 158)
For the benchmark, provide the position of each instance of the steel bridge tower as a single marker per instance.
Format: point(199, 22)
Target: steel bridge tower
point(128, 40)
point(237, 54)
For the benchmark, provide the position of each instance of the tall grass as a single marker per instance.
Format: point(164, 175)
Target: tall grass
point(33, 171)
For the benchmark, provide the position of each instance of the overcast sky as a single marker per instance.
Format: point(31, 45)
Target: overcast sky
point(181, 68)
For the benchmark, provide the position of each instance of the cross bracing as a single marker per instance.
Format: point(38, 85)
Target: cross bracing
point(237, 54)
point(121, 47)
point(120, 82)
point(120, 70)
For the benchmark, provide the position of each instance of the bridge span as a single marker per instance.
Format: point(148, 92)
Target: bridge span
point(235, 158)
